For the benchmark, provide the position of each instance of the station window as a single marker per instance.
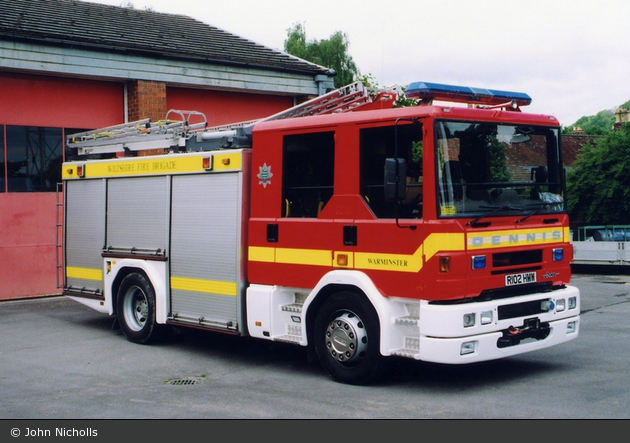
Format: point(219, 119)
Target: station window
point(377, 145)
point(31, 157)
point(308, 173)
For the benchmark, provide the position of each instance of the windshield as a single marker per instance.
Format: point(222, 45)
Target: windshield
point(487, 169)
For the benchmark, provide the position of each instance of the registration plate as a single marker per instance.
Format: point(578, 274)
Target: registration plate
point(520, 279)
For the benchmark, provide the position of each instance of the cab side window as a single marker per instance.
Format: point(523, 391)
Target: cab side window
point(378, 144)
point(308, 173)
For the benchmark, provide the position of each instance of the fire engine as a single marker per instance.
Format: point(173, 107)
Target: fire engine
point(346, 224)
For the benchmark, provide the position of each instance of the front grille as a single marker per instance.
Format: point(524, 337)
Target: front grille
point(514, 291)
point(519, 258)
point(521, 309)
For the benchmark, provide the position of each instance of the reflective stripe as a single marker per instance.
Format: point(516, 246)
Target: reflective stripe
point(433, 244)
point(207, 286)
point(313, 257)
point(84, 273)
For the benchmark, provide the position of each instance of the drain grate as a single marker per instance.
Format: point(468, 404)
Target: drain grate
point(184, 381)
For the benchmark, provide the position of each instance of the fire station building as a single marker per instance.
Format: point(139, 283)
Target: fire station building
point(67, 66)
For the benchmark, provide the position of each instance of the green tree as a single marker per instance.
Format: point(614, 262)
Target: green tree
point(598, 188)
point(331, 53)
point(598, 124)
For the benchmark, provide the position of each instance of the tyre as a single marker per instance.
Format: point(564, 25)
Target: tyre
point(347, 340)
point(136, 309)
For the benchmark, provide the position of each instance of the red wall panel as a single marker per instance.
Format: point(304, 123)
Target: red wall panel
point(33, 100)
point(27, 245)
point(221, 108)
point(28, 220)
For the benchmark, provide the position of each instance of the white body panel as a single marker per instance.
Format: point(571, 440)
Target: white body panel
point(412, 328)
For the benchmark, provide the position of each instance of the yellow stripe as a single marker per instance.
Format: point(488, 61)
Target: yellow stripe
point(314, 257)
point(207, 286)
point(84, 273)
point(363, 260)
point(443, 242)
point(262, 254)
point(153, 165)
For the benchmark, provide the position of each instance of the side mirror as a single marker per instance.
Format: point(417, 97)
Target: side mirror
point(395, 179)
point(539, 174)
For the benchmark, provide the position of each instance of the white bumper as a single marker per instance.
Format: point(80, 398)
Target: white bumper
point(439, 334)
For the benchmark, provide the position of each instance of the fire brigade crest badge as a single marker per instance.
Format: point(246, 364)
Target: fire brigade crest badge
point(264, 175)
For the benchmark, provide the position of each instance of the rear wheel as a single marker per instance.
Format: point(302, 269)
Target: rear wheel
point(136, 309)
point(347, 339)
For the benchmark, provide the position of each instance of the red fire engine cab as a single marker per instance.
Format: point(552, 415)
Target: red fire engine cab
point(436, 232)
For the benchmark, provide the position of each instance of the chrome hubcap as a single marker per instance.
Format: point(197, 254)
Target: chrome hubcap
point(346, 338)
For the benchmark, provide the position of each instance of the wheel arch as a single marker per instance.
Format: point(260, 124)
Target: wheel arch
point(115, 286)
point(358, 283)
point(154, 272)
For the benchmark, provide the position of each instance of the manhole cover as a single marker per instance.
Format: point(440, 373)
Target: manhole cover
point(184, 381)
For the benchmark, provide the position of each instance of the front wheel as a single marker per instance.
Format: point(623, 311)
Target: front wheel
point(347, 336)
point(136, 309)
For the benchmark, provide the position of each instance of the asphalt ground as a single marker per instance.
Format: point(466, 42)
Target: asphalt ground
point(60, 360)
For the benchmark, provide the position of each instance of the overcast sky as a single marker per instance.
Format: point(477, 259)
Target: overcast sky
point(571, 56)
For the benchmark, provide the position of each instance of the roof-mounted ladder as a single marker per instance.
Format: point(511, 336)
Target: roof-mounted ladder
point(138, 135)
point(171, 134)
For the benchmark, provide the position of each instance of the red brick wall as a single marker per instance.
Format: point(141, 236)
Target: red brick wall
point(146, 99)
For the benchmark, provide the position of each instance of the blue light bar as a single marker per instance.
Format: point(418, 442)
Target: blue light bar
point(464, 94)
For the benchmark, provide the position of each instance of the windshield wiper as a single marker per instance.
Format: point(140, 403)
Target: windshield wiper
point(541, 206)
point(495, 209)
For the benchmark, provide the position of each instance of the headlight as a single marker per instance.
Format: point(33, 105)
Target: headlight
point(560, 305)
point(486, 317)
point(469, 320)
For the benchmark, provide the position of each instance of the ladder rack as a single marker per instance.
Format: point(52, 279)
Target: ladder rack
point(172, 134)
point(138, 135)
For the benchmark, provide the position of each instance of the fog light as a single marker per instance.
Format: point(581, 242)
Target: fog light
point(479, 262)
point(572, 302)
point(445, 264)
point(469, 320)
point(467, 348)
point(558, 254)
point(486, 317)
point(560, 305)
point(571, 327)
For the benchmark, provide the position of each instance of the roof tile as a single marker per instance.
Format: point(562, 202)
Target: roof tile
point(113, 28)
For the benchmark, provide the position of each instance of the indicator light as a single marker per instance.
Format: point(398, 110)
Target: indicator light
point(342, 260)
point(479, 262)
point(80, 171)
point(572, 302)
point(445, 264)
point(207, 163)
